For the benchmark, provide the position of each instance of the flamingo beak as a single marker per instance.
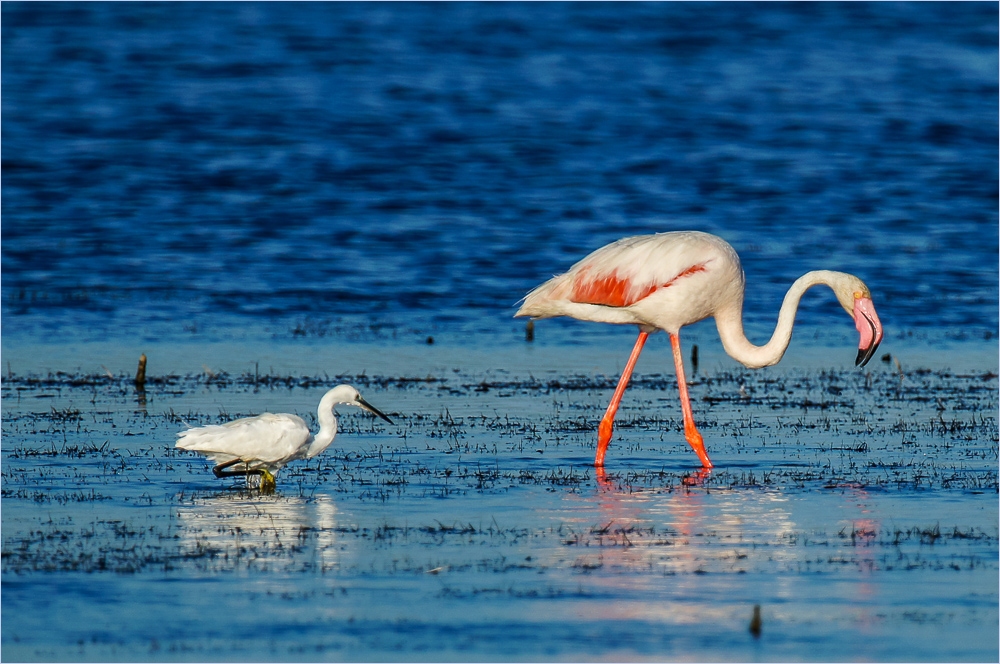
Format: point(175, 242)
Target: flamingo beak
point(869, 327)
point(372, 409)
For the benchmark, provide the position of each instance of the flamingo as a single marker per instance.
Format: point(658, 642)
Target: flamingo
point(668, 280)
point(267, 442)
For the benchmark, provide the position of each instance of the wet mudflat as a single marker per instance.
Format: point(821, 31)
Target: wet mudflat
point(844, 502)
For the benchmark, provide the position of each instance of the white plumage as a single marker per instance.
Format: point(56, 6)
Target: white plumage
point(265, 443)
point(647, 269)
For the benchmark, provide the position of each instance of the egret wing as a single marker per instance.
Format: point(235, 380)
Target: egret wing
point(267, 437)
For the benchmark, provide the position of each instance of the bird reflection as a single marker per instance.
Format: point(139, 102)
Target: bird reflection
point(666, 539)
point(224, 531)
point(669, 519)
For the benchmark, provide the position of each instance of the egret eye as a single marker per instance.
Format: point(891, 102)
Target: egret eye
point(262, 445)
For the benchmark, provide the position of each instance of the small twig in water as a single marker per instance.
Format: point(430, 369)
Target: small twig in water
point(140, 373)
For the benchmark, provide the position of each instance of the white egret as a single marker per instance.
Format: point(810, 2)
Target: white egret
point(267, 442)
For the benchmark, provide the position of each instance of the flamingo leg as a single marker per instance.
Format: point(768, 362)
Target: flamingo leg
point(607, 422)
point(694, 438)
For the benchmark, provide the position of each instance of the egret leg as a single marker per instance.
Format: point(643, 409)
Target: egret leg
point(607, 422)
point(220, 470)
point(267, 483)
point(694, 438)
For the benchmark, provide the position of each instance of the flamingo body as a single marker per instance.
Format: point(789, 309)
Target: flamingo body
point(663, 281)
point(669, 280)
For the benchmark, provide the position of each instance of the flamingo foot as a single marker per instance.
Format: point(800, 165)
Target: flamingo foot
point(697, 443)
point(604, 431)
point(603, 481)
point(696, 478)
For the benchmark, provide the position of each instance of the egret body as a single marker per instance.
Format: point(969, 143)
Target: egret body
point(267, 442)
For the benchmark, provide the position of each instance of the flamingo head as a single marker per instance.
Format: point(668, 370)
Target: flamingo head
point(869, 326)
point(856, 299)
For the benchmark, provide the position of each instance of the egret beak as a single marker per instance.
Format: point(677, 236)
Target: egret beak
point(869, 327)
point(372, 409)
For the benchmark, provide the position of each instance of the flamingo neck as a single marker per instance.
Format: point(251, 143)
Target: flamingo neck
point(730, 323)
point(327, 427)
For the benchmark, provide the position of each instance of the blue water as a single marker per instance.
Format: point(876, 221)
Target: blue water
point(316, 191)
point(176, 172)
point(476, 529)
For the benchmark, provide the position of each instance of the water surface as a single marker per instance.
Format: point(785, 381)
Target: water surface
point(269, 199)
point(475, 528)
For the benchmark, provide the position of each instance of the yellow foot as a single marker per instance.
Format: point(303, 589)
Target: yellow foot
point(267, 483)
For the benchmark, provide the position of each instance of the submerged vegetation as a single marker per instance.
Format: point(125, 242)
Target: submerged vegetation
point(484, 491)
point(72, 438)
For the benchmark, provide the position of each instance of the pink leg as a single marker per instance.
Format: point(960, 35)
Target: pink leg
point(690, 430)
point(607, 422)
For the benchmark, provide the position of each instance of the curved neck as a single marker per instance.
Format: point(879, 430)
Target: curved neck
point(730, 324)
point(327, 427)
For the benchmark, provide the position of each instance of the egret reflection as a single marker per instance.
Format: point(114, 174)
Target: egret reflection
point(228, 531)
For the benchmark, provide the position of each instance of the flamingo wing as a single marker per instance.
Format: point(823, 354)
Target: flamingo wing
point(623, 273)
point(615, 290)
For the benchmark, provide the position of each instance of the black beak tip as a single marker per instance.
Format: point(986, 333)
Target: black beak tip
point(865, 354)
point(373, 410)
point(379, 413)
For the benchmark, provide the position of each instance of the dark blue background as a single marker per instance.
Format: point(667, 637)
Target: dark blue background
point(192, 170)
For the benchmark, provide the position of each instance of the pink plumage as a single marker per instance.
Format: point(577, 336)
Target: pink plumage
point(669, 280)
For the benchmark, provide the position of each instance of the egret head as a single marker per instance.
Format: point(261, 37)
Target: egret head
point(348, 394)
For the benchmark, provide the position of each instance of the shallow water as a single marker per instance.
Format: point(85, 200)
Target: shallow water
point(270, 199)
point(476, 528)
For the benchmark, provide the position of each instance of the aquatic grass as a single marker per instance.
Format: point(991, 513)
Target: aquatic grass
point(264, 540)
point(799, 436)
